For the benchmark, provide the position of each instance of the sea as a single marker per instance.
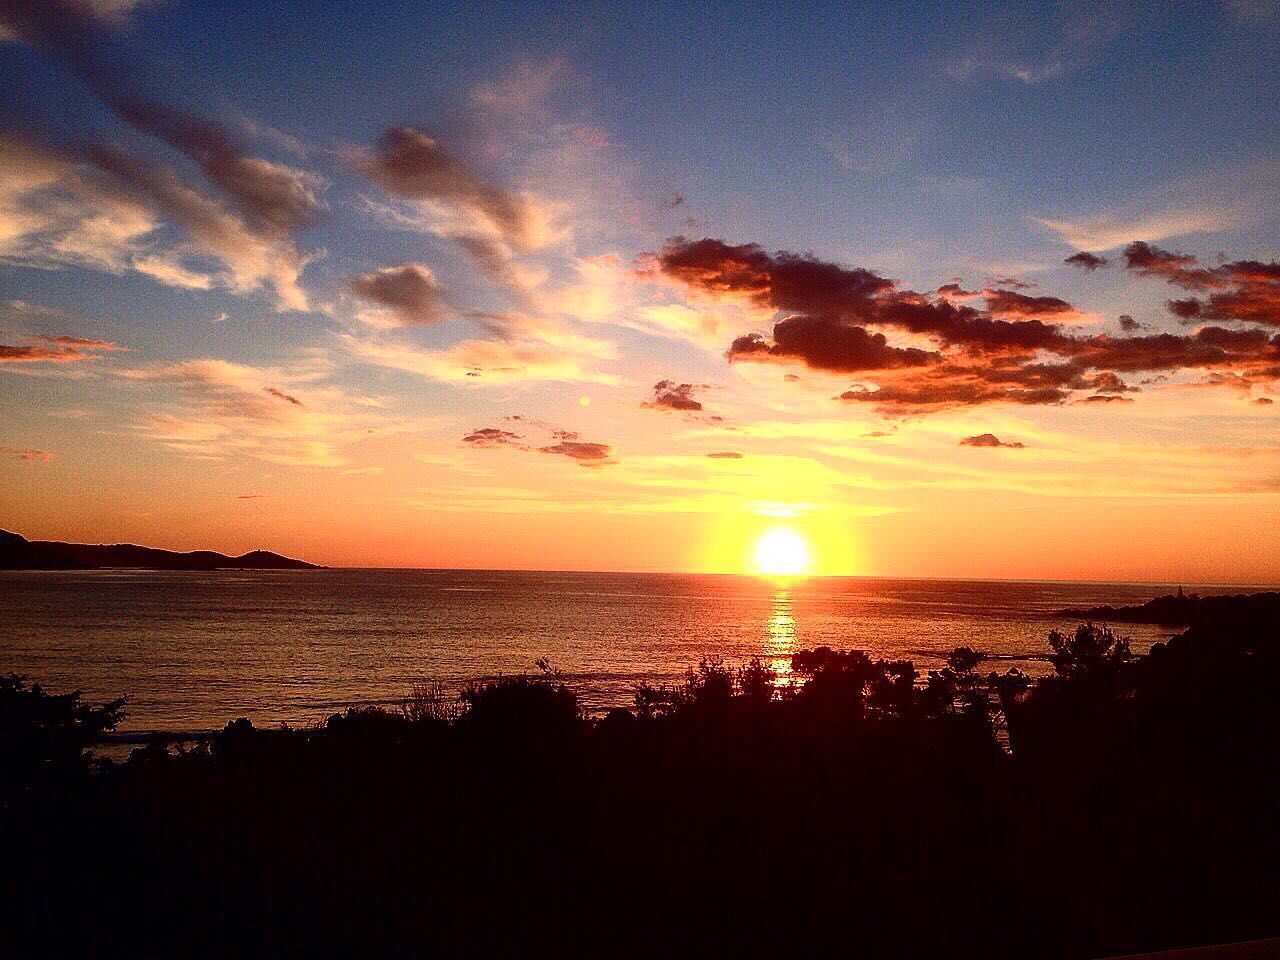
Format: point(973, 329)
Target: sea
point(193, 650)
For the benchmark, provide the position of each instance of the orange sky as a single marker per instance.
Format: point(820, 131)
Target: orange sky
point(537, 310)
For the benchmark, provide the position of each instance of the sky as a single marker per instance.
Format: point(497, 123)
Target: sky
point(937, 290)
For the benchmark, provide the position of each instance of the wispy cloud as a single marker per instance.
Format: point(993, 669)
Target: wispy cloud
point(27, 454)
point(55, 349)
point(1221, 200)
point(215, 408)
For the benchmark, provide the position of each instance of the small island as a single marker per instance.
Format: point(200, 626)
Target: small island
point(19, 553)
point(1187, 609)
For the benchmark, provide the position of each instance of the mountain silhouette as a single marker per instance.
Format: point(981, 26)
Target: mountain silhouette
point(19, 553)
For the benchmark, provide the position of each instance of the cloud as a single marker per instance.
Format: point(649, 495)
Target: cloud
point(827, 343)
point(669, 395)
point(215, 408)
point(100, 208)
point(27, 454)
point(408, 162)
point(488, 361)
point(492, 437)
point(1227, 197)
point(1004, 353)
point(1009, 303)
point(410, 291)
point(1086, 260)
point(266, 201)
point(725, 455)
point(1128, 324)
point(587, 454)
point(1105, 398)
point(253, 259)
point(56, 349)
point(1254, 11)
point(281, 395)
point(1246, 291)
point(276, 199)
point(1050, 53)
point(990, 440)
point(1006, 67)
point(882, 137)
point(830, 301)
point(567, 442)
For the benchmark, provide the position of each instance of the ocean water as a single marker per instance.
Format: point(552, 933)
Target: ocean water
point(193, 650)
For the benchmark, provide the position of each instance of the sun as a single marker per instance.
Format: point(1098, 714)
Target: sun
point(781, 552)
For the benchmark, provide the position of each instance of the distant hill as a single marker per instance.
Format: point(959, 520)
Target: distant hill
point(19, 553)
point(1187, 609)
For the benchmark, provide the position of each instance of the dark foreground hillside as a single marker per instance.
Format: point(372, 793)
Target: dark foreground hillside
point(1122, 804)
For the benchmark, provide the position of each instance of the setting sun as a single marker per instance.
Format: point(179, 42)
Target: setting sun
point(781, 553)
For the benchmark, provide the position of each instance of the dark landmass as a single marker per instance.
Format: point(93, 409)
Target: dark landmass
point(1120, 805)
point(1185, 609)
point(19, 553)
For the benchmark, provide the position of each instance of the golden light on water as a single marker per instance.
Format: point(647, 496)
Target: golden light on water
point(782, 552)
point(780, 639)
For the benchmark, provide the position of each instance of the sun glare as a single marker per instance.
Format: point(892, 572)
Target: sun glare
point(781, 552)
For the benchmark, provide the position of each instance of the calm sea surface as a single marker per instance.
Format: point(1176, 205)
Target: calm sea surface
point(193, 650)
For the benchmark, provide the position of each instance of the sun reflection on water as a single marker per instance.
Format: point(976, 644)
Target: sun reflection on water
point(780, 638)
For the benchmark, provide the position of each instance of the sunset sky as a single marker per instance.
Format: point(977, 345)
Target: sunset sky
point(967, 291)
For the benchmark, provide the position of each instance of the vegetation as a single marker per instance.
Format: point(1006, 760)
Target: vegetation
point(1122, 803)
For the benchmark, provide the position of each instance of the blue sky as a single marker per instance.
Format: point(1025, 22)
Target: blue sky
point(926, 143)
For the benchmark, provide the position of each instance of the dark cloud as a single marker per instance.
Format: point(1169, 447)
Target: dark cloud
point(1263, 401)
point(56, 349)
point(1086, 260)
point(1128, 324)
point(1010, 351)
point(1178, 268)
point(1109, 382)
point(669, 395)
point(897, 399)
point(785, 281)
point(72, 30)
point(725, 455)
point(1009, 303)
point(1247, 291)
point(410, 163)
point(281, 395)
point(492, 437)
point(567, 442)
point(827, 343)
point(1013, 282)
point(1207, 347)
point(1105, 398)
point(409, 290)
point(990, 440)
point(587, 454)
point(833, 305)
point(276, 199)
